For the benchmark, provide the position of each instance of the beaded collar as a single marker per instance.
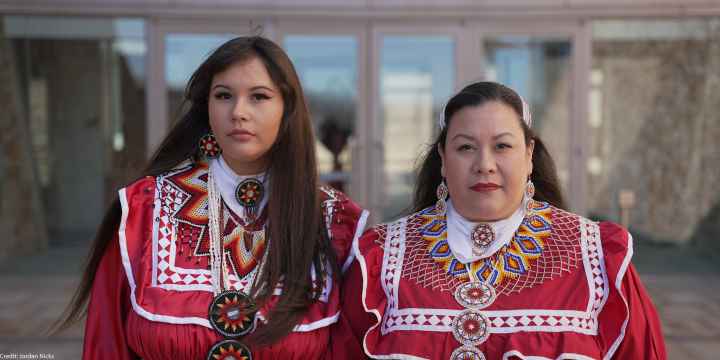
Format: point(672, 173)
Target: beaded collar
point(512, 259)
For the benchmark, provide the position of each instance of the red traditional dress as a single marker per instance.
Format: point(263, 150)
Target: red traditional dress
point(153, 287)
point(561, 287)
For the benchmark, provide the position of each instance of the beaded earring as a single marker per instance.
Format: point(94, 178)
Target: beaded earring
point(209, 146)
point(442, 195)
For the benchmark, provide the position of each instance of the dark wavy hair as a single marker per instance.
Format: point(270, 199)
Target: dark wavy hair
point(544, 175)
point(297, 237)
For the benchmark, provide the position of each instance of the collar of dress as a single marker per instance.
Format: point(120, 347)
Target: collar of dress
point(460, 228)
point(227, 180)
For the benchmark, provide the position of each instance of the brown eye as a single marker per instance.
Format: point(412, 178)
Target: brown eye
point(259, 97)
point(223, 95)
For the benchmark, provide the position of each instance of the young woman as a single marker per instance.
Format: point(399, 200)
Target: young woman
point(490, 266)
point(227, 248)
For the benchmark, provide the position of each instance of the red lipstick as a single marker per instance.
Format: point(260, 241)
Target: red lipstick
point(485, 187)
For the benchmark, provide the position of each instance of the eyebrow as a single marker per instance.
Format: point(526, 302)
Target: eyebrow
point(469, 137)
point(503, 134)
point(472, 138)
point(258, 87)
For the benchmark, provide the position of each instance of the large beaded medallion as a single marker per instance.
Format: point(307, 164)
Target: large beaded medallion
point(229, 350)
point(471, 328)
point(467, 353)
point(475, 295)
point(232, 313)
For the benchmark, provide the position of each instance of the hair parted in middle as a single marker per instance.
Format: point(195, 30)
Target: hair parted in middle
point(544, 175)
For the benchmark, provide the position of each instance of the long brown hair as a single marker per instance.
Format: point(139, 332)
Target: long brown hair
point(544, 175)
point(296, 233)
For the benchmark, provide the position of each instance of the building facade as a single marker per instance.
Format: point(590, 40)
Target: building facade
point(625, 93)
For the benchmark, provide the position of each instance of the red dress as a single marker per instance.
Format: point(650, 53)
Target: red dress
point(565, 289)
point(152, 290)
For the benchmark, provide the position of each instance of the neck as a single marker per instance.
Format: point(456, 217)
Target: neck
point(245, 168)
point(483, 218)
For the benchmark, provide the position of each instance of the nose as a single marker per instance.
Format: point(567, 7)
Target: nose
point(484, 162)
point(240, 111)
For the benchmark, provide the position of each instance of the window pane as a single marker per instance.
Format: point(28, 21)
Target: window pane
point(327, 66)
point(81, 86)
point(416, 77)
point(183, 54)
point(539, 69)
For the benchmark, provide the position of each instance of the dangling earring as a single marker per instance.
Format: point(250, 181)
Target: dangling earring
point(209, 146)
point(529, 194)
point(442, 195)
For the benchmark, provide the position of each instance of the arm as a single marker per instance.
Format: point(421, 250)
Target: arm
point(109, 303)
point(643, 334)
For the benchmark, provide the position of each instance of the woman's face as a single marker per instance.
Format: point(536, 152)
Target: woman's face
point(486, 162)
point(245, 109)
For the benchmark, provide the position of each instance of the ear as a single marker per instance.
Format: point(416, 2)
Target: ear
point(529, 153)
point(442, 159)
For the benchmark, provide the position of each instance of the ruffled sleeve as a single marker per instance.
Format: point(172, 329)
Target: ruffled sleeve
point(109, 304)
point(629, 324)
point(362, 299)
point(346, 221)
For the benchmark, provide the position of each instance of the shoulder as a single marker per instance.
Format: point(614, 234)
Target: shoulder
point(184, 170)
point(614, 237)
point(376, 238)
point(338, 206)
point(614, 240)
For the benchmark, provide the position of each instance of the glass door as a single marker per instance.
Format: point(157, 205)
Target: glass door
point(328, 69)
point(415, 75)
point(543, 68)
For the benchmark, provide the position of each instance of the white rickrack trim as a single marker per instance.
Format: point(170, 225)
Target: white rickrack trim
point(506, 321)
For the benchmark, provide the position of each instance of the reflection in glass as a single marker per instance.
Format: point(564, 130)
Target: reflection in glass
point(539, 69)
point(183, 54)
point(416, 77)
point(81, 88)
point(327, 66)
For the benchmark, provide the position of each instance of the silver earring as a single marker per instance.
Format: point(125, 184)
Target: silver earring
point(442, 195)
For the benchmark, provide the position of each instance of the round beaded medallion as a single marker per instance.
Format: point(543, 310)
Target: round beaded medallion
point(229, 350)
point(482, 236)
point(475, 295)
point(250, 192)
point(467, 353)
point(232, 313)
point(470, 328)
point(209, 146)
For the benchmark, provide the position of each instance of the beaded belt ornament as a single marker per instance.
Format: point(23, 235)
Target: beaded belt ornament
point(471, 327)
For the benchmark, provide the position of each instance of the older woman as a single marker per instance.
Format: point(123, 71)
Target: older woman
point(227, 248)
point(490, 266)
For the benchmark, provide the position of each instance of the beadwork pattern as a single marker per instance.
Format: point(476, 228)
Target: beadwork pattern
point(543, 248)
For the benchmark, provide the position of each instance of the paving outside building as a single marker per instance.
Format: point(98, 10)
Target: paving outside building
point(684, 285)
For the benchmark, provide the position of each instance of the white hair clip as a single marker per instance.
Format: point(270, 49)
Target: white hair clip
point(526, 115)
